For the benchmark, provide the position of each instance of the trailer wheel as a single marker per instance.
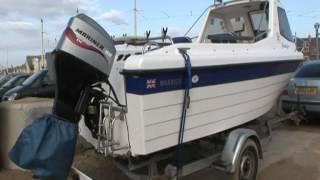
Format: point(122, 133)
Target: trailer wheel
point(248, 162)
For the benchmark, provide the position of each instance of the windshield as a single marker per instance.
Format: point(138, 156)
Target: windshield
point(32, 78)
point(245, 22)
point(259, 21)
point(10, 82)
point(3, 79)
point(309, 71)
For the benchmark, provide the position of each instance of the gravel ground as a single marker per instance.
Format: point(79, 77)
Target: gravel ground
point(293, 154)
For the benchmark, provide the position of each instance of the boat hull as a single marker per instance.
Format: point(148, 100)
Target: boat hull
point(219, 103)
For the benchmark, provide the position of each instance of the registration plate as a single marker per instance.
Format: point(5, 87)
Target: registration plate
point(310, 91)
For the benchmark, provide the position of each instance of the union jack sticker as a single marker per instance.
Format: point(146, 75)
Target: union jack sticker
point(151, 83)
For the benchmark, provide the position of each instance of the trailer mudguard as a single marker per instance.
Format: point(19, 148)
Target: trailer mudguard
point(232, 149)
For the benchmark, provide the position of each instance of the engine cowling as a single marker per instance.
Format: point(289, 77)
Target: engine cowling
point(83, 56)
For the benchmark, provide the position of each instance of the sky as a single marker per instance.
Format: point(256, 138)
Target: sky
point(20, 25)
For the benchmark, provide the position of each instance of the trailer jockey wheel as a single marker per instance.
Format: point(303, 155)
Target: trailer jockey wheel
point(248, 162)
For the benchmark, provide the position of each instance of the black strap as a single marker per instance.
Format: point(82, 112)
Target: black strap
point(185, 106)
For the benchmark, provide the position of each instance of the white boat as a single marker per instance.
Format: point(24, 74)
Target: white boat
point(153, 100)
point(241, 61)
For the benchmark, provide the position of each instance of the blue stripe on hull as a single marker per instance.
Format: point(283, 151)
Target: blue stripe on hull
point(157, 82)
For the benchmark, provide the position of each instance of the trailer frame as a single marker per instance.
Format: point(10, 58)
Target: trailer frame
point(220, 151)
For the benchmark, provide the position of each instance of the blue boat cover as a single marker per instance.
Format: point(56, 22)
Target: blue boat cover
point(47, 147)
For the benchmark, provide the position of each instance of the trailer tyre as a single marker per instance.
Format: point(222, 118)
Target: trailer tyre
point(248, 162)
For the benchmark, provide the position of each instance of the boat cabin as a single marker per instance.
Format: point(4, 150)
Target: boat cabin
point(244, 21)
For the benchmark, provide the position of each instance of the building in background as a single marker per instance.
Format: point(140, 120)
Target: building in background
point(308, 47)
point(34, 63)
point(11, 70)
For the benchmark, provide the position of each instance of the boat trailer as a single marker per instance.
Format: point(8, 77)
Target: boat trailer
point(224, 152)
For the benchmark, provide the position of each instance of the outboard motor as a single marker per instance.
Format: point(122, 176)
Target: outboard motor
point(82, 60)
point(84, 56)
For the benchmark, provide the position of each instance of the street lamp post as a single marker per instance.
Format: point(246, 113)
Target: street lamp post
point(42, 47)
point(7, 59)
point(135, 11)
point(316, 27)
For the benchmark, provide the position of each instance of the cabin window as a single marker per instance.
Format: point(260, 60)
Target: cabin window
point(285, 30)
point(259, 21)
point(241, 23)
point(238, 25)
point(226, 30)
point(217, 26)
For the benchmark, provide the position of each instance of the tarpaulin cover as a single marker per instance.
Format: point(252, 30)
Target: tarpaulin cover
point(47, 147)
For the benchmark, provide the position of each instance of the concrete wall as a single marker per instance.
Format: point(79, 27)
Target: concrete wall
point(14, 116)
